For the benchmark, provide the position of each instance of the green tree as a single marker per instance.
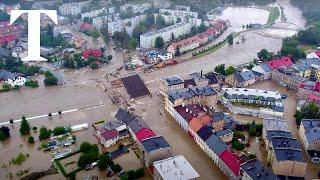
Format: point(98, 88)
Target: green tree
point(220, 69)
point(50, 79)
point(116, 168)
point(138, 30)
point(59, 130)
point(265, 55)
point(230, 39)
point(104, 162)
point(230, 70)
point(194, 30)
point(139, 173)
point(160, 22)
point(44, 133)
point(4, 133)
point(133, 43)
point(31, 140)
point(150, 21)
point(24, 127)
point(159, 43)
point(85, 147)
point(310, 111)
point(202, 28)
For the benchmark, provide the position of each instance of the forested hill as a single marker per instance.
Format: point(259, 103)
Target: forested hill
point(310, 8)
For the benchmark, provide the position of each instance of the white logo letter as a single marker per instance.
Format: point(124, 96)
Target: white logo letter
point(34, 30)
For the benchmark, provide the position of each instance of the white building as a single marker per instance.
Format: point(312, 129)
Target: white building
point(147, 40)
point(176, 167)
point(314, 55)
point(136, 8)
point(73, 8)
point(165, 55)
point(179, 13)
point(127, 24)
point(98, 22)
point(93, 13)
point(13, 79)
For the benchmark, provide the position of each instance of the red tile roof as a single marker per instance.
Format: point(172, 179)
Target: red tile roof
point(9, 32)
point(144, 133)
point(280, 63)
point(318, 53)
point(92, 52)
point(185, 42)
point(232, 161)
point(195, 110)
point(317, 87)
point(86, 26)
point(195, 125)
point(313, 98)
point(107, 135)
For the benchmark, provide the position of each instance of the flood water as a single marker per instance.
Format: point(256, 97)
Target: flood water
point(86, 87)
point(239, 16)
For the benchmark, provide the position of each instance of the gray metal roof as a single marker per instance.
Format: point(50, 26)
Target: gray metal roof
point(255, 169)
point(124, 116)
point(173, 80)
point(216, 145)
point(278, 133)
point(312, 129)
point(304, 64)
point(4, 75)
point(223, 132)
point(283, 154)
point(136, 124)
point(155, 143)
point(247, 75)
point(110, 125)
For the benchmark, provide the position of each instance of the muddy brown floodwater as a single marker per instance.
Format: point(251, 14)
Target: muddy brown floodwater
point(86, 87)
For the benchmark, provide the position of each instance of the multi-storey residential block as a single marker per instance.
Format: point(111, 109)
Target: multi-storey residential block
point(147, 40)
point(287, 77)
point(284, 151)
point(127, 24)
point(93, 13)
point(73, 8)
point(309, 68)
point(309, 132)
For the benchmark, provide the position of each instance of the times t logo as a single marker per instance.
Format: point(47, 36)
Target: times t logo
point(34, 30)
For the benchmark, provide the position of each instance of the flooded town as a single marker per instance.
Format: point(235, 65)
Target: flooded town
point(161, 89)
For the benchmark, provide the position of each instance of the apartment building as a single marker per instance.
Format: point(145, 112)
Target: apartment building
point(309, 68)
point(147, 40)
point(136, 8)
point(171, 83)
point(287, 77)
point(93, 13)
point(285, 154)
point(179, 13)
point(309, 132)
point(127, 24)
point(73, 8)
